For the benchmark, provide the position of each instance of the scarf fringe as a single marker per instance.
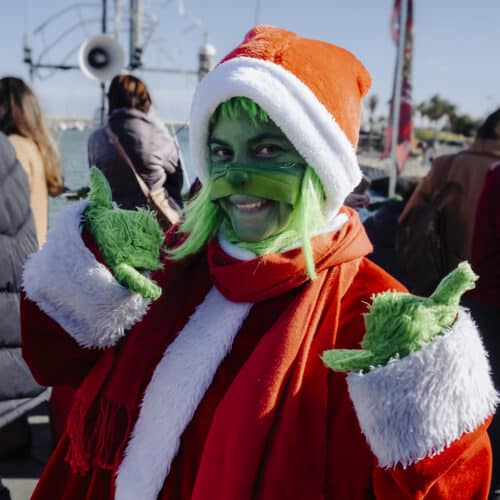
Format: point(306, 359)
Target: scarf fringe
point(104, 439)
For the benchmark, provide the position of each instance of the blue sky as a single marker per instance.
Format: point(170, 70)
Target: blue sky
point(454, 51)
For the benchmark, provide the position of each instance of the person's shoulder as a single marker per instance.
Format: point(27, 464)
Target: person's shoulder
point(129, 116)
point(132, 124)
point(23, 144)
point(96, 134)
point(28, 154)
point(443, 161)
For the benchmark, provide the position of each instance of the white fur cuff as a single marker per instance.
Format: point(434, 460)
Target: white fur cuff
point(68, 284)
point(417, 406)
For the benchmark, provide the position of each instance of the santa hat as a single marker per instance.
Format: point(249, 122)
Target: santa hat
point(312, 90)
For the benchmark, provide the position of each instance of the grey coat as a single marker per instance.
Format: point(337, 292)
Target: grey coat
point(151, 149)
point(18, 390)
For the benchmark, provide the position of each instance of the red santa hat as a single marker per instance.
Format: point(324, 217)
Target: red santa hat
point(311, 89)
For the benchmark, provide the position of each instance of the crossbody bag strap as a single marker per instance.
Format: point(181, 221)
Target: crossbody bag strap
point(125, 157)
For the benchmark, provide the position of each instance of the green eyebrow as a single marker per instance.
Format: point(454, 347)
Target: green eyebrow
point(266, 136)
point(214, 140)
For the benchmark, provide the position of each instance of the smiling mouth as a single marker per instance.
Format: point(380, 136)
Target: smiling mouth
point(248, 205)
point(251, 206)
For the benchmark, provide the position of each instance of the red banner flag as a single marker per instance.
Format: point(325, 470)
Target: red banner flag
point(403, 146)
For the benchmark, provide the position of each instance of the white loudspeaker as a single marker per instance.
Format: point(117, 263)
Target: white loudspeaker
point(101, 57)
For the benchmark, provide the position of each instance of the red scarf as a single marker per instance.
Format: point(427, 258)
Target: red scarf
point(261, 417)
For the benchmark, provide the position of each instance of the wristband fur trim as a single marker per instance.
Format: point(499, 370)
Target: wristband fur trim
point(69, 285)
point(417, 406)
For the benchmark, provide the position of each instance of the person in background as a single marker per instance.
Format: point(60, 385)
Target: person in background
point(217, 389)
point(460, 178)
point(484, 300)
point(22, 121)
point(145, 140)
point(18, 390)
point(382, 225)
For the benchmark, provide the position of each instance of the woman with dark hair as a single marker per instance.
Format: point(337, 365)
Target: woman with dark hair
point(22, 121)
point(127, 91)
point(145, 141)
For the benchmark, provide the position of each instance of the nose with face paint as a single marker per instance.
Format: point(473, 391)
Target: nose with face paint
point(237, 178)
point(277, 181)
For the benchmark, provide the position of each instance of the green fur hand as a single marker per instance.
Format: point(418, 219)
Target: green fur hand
point(129, 240)
point(400, 323)
point(136, 282)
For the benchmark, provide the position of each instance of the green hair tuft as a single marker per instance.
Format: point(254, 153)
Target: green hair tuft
point(235, 107)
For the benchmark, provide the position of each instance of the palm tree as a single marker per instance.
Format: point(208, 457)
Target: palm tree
point(435, 109)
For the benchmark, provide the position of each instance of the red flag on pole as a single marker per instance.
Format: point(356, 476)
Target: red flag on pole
point(401, 95)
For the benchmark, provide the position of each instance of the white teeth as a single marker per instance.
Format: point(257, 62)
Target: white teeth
point(250, 205)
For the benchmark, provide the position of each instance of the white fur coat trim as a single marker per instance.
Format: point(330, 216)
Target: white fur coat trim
point(417, 406)
point(177, 386)
point(291, 104)
point(68, 284)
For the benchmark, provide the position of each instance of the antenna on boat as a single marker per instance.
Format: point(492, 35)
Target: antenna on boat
point(100, 57)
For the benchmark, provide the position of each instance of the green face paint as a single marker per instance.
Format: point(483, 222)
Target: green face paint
point(279, 182)
point(257, 175)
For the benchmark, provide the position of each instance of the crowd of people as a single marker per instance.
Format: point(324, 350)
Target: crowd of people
point(217, 388)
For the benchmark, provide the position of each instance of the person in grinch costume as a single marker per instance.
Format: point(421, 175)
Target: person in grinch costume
point(218, 389)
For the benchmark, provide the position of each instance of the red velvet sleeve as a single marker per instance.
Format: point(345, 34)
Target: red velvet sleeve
point(463, 470)
point(52, 355)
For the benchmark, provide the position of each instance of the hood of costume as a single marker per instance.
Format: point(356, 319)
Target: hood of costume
point(311, 90)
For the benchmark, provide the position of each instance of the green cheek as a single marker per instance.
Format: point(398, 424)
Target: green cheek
point(278, 182)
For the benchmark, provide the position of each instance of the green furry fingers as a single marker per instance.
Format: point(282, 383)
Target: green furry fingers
point(400, 323)
point(129, 240)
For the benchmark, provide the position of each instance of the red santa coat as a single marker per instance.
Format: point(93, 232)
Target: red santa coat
point(219, 391)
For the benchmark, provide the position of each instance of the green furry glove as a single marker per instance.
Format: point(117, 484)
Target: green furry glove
point(129, 240)
point(400, 323)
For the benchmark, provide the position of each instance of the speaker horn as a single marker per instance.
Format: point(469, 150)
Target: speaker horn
point(101, 57)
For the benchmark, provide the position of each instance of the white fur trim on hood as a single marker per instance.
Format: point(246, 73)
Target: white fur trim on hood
point(177, 387)
point(68, 284)
point(417, 406)
point(294, 108)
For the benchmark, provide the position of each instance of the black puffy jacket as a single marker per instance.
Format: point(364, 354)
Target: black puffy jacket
point(18, 390)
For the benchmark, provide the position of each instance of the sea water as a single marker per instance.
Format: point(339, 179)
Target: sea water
point(72, 145)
